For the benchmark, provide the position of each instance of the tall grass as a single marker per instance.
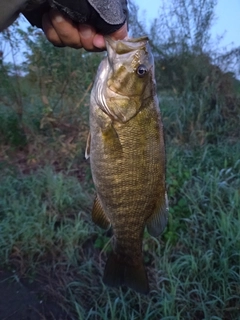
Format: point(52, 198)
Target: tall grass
point(41, 215)
point(194, 270)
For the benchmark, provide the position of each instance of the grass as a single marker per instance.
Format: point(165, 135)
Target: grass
point(198, 119)
point(43, 204)
point(194, 271)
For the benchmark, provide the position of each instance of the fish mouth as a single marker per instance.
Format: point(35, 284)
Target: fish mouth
point(126, 45)
point(127, 39)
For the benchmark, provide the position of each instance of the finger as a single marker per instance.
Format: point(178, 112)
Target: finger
point(87, 34)
point(66, 30)
point(120, 34)
point(50, 32)
point(99, 41)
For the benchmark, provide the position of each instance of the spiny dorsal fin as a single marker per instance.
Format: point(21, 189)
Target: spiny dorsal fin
point(98, 215)
point(158, 220)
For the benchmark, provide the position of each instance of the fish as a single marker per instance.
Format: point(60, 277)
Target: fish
point(127, 158)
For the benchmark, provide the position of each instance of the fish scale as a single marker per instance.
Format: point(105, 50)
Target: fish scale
point(127, 157)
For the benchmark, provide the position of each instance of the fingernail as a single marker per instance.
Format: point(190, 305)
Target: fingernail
point(85, 30)
point(98, 41)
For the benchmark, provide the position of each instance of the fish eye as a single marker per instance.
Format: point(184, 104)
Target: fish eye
point(142, 70)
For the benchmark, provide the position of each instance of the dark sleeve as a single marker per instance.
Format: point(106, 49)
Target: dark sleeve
point(106, 16)
point(34, 15)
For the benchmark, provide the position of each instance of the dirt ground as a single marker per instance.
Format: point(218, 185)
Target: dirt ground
point(21, 300)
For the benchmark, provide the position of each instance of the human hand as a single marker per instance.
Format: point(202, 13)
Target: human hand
point(62, 31)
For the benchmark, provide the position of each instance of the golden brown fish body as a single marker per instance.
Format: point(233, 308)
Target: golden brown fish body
point(127, 157)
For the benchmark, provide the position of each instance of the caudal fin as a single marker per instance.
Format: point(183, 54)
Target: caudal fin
point(117, 273)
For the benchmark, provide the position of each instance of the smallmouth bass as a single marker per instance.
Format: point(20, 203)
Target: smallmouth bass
point(127, 157)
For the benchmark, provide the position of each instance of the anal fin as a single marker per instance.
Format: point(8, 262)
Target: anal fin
point(158, 220)
point(98, 215)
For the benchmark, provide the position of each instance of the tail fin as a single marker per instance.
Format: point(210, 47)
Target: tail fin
point(119, 273)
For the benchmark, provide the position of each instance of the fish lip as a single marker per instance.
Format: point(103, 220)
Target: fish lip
point(127, 39)
point(125, 45)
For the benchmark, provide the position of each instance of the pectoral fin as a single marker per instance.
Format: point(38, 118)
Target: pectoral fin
point(122, 109)
point(87, 150)
point(158, 220)
point(98, 215)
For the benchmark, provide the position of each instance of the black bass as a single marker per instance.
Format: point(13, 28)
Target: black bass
point(127, 157)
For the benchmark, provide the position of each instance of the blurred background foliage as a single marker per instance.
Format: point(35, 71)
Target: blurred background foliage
point(194, 81)
point(44, 104)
